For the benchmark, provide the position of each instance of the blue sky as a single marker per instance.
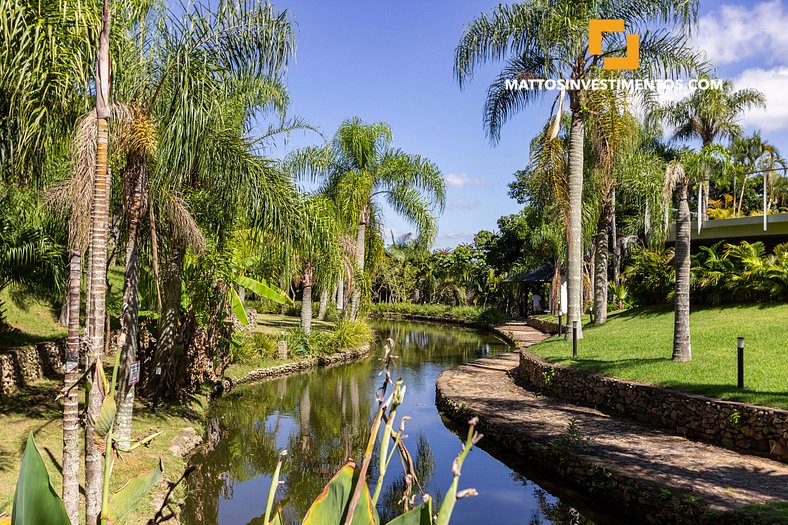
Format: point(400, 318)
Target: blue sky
point(386, 60)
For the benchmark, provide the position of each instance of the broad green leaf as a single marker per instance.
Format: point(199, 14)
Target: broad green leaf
point(419, 515)
point(106, 417)
point(238, 307)
point(128, 497)
point(263, 289)
point(331, 505)
point(35, 501)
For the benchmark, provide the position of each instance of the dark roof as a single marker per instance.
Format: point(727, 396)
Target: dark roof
point(540, 275)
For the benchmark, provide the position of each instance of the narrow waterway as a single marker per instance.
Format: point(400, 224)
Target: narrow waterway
point(322, 418)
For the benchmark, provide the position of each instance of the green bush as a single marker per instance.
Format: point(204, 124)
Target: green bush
point(721, 274)
point(253, 347)
point(468, 314)
point(349, 334)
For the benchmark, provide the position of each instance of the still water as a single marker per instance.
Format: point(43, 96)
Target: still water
point(322, 418)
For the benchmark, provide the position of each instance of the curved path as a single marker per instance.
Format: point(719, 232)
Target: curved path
point(637, 457)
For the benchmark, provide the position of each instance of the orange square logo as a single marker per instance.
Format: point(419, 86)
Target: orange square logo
point(632, 58)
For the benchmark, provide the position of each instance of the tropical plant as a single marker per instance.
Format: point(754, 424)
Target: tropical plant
point(316, 251)
point(548, 40)
point(708, 115)
point(359, 165)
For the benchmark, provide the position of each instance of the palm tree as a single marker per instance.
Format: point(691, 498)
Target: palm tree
point(206, 73)
point(548, 39)
point(708, 115)
point(97, 275)
point(680, 174)
point(360, 164)
point(316, 251)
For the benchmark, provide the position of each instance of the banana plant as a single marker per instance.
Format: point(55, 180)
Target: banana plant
point(259, 287)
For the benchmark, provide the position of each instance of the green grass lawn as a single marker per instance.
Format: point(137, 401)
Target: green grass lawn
point(637, 344)
point(34, 320)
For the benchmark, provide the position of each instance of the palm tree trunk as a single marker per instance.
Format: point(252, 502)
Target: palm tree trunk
point(130, 314)
point(306, 301)
point(355, 299)
point(341, 292)
point(169, 319)
point(681, 329)
point(321, 313)
point(98, 283)
point(575, 238)
point(98, 275)
point(71, 403)
point(600, 277)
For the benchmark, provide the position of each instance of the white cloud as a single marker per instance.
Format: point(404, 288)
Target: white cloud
point(734, 33)
point(772, 83)
point(463, 204)
point(459, 180)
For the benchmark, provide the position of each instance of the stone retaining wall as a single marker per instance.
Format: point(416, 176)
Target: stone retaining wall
point(738, 426)
point(24, 365)
point(543, 325)
point(262, 374)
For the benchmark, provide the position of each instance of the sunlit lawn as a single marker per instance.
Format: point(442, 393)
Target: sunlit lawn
point(636, 344)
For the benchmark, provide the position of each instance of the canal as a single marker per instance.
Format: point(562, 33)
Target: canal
point(322, 418)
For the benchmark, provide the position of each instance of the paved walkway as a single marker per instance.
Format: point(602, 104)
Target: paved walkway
point(721, 478)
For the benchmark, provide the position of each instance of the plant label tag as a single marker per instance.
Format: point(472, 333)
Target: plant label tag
point(134, 373)
point(70, 366)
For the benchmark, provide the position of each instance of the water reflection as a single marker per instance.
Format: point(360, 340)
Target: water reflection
point(323, 418)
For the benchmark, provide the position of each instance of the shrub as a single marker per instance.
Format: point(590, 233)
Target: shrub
point(252, 347)
point(469, 314)
point(349, 334)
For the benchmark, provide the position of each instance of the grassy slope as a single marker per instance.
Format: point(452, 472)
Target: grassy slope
point(636, 344)
point(35, 320)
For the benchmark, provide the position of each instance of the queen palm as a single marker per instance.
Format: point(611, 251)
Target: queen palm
point(191, 93)
point(316, 251)
point(359, 166)
point(680, 174)
point(548, 39)
point(709, 115)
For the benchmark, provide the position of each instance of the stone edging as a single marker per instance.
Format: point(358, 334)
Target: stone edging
point(633, 495)
point(737, 426)
point(23, 365)
point(285, 369)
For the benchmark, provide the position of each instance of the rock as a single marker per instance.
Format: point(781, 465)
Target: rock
point(185, 442)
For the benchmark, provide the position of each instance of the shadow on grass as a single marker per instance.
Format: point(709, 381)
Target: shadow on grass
point(36, 401)
point(15, 339)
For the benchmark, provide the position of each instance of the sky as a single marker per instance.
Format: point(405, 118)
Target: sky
point(391, 61)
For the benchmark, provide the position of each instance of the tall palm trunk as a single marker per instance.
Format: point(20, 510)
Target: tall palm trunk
point(575, 239)
point(681, 329)
point(306, 300)
point(136, 205)
point(96, 335)
point(71, 403)
point(321, 313)
point(355, 299)
point(601, 258)
point(600, 277)
point(172, 273)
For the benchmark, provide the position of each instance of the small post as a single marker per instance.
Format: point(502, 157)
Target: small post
point(740, 348)
point(574, 338)
point(560, 327)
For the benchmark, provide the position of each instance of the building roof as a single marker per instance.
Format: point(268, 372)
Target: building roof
point(540, 275)
point(738, 229)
